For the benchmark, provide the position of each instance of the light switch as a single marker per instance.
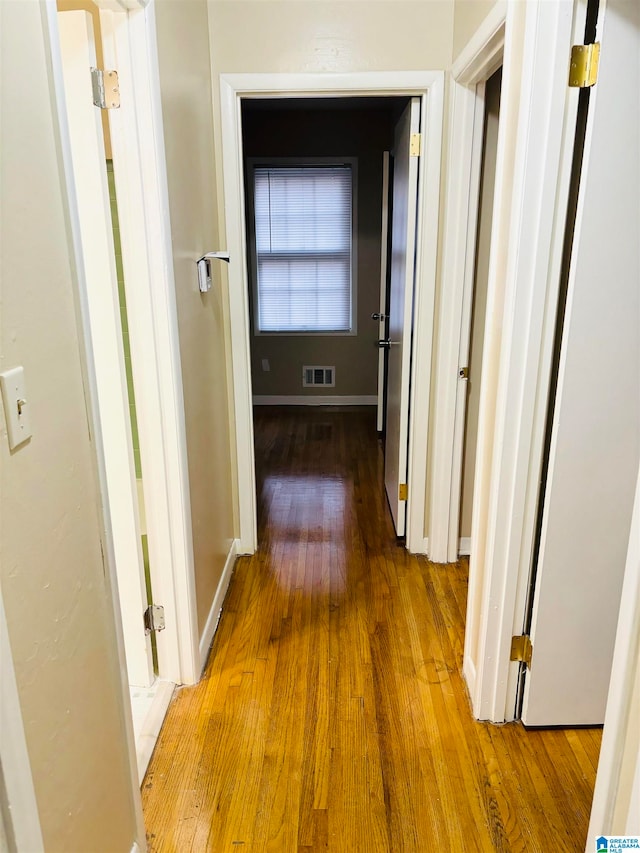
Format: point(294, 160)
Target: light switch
point(16, 406)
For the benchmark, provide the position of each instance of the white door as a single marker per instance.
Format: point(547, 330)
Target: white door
point(403, 244)
point(96, 229)
point(596, 428)
point(381, 316)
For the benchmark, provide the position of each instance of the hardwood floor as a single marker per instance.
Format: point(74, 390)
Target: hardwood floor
point(333, 714)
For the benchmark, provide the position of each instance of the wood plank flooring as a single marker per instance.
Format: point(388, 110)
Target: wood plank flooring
point(333, 714)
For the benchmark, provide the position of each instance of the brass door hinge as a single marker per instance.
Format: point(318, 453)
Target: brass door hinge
point(402, 492)
point(521, 649)
point(585, 59)
point(106, 89)
point(414, 145)
point(463, 373)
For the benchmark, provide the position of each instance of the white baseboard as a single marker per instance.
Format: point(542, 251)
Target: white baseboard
point(422, 548)
point(146, 740)
point(216, 606)
point(314, 400)
point(464, 547)
point(469, 675)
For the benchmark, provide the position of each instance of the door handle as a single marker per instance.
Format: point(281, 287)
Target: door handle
point(379, 316)
point(388, 344)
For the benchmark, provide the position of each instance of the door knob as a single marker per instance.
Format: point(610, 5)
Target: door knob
point(379, 316)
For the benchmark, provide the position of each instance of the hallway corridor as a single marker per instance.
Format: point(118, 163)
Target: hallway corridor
point(333, 714)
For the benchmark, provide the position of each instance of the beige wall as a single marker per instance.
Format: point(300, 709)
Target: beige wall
point(485, 212)
point(291, 36)
point(469, 14)
point(59, 608)
point(364, 134)
point(185, 79)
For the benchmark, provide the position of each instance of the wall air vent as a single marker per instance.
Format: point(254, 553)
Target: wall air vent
point(313, 376)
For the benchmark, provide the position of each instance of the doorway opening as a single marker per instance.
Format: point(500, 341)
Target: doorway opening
point(492, 90)
point(329, 161)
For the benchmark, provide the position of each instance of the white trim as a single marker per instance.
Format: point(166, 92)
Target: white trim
point(454, 322)
point(150, 732)
point(141, 183)
point(430, 86)
point(476, 63)
point(252, 163)
point(431, 120)
point(482, 55)
point(78, 50)
point(535, 139)
point(464, 546)
point(619, 702)
point(314, 400)
point(469, 675)
point(216, 605)
point(21, 807)
point(56, 84)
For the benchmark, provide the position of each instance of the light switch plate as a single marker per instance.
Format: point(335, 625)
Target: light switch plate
point(16, 407)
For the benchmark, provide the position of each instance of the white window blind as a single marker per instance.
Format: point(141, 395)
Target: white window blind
point(303, 222)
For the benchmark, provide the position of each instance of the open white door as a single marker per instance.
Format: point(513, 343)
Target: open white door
point(593, 457)
point(90, 179)
point(403, 245)
point(381, 316)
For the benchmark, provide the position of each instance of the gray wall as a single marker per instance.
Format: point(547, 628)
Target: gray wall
point(361, 133)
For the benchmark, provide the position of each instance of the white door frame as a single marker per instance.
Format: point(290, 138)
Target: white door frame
point(138, 145)
point(78, 48)
point(535, 146)
point(429, 86)
point(617, 752)
point(137, 141)
point(477, 62)
point(18, 801)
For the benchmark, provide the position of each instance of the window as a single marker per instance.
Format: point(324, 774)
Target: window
point(303, 248)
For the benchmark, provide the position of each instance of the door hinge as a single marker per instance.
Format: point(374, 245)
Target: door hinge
point(402, 492)
point(521, 649)
point(106, 89)
point(153, 618)
point(414, 145)
point(585, 59)
point(463, 373)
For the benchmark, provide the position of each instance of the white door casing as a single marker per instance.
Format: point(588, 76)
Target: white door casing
point(595, 441)
point(400, 310)
point(428, 86)
point(141, 186)
point(96, 228)
point(535, 145)
point(477, 62)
